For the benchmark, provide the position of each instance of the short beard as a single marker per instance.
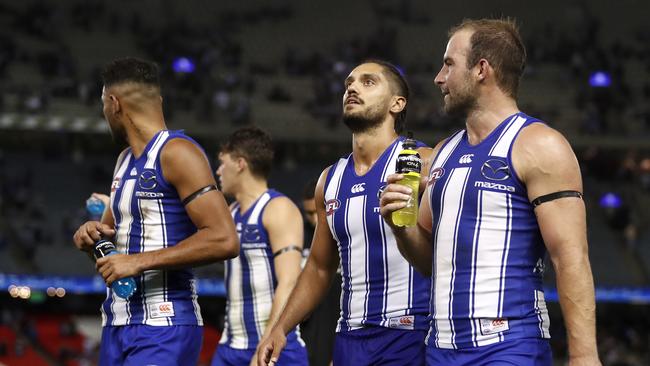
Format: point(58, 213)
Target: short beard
point(367, 121)
point(461, 107)
point(119, 136)
point(462, 103)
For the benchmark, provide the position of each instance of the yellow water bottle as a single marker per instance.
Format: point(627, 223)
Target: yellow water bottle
point(408, 164)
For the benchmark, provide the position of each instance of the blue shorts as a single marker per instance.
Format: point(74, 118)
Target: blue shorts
point(515, 352)
point(137, 345)
point(379, 346)
point(294, 353)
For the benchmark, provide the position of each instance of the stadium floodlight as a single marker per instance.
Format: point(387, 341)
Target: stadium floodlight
point(600, 79)
point(183, 65)
point(610, 200)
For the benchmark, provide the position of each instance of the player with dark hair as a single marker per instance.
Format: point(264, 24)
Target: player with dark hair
point(259, 281)
point(502, 192)
point(165, 216)
point(384, 300)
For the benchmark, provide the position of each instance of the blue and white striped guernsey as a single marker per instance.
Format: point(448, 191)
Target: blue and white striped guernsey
point(250, 279)
point(488, 250)
point(379, 286)
point(149, 216)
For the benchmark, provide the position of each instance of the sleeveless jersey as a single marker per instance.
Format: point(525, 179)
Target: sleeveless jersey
point(148, 216)
point(250, 278)
point(379, 287)
point(487, 248)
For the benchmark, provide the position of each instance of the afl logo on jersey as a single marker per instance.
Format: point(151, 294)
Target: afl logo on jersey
point(331, 206)
point(116, 184)
point(436, 174)
point(147, 180)
point(495, 169)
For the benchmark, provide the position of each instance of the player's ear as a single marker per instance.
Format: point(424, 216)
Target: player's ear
point(399, 103)
point(242, 164)
point(114, 101)
point(483, 69)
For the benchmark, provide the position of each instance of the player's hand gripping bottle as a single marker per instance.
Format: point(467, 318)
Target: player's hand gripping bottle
point(124, 287)
point(408, 164)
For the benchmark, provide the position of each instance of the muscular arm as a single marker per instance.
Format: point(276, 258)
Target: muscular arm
point(316, 277)
point(283, 221)
point(187, 169)
point(544, 161)
point(313, 283)
point(414, 243)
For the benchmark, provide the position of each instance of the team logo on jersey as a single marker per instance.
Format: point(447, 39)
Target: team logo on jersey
point(358, 188)
point(466, 159)
point(251, 233)
point(331, 206)
point(436, 174)
point(495, 169)
point(147, 180)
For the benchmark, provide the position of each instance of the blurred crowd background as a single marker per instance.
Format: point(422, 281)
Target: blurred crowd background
point(281, 65)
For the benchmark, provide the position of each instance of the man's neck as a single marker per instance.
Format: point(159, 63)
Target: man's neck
point(483, 119)
point(250, 189)
point(368, 146)
point(140, 129)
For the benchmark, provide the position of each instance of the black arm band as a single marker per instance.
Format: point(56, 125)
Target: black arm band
point(199, 193)
point(556, 195)
point(286, 249)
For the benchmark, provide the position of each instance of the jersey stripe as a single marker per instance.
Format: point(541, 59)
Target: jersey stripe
point(492, 241)
point(542, 314)
point(502, 146)
point(445, 255)
point(120, 307)
point(152, 154)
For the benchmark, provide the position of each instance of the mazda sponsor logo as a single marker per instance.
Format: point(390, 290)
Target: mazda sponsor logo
point(495, 169)
point(147, 180)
